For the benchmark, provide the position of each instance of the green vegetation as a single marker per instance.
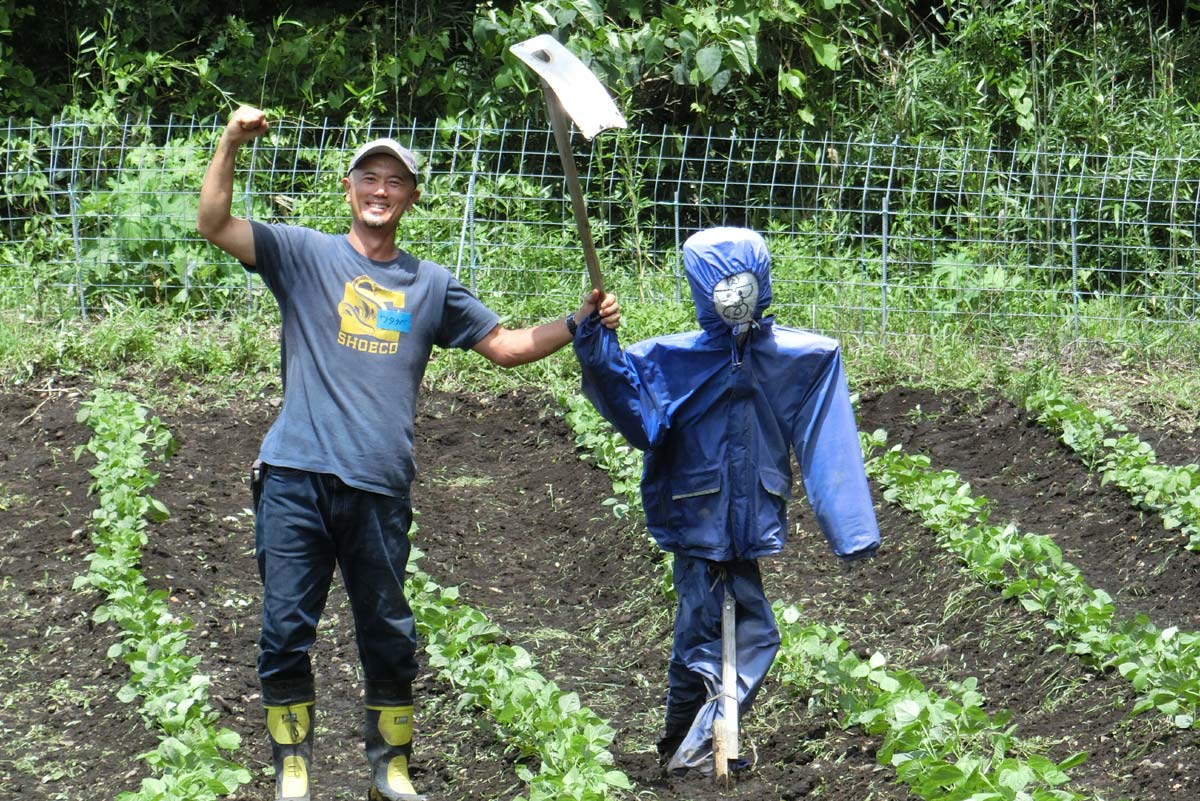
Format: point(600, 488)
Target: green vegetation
point(941, 747)
point(992, 270)
point(1125, 460)
point(1106, 74)
point(1027, 80)
point(468, 652)
point(188, 762)
point(1163, 665)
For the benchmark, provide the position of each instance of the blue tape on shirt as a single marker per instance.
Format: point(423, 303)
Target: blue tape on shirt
point(394, 321)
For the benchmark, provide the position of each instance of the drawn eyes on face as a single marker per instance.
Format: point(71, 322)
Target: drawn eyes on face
point(735, 298)
point(731, 296)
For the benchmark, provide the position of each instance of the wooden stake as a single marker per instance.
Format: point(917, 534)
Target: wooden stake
point(725, 726)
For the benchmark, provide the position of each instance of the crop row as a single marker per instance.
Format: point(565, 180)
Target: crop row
point(1163, 665)
point(941, 747)
point(1125, 460)
point(537, 717)
point(153, 641)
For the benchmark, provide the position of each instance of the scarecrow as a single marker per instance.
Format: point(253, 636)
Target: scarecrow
point(719, 413)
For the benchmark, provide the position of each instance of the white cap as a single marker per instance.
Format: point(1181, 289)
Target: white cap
point(388, 147)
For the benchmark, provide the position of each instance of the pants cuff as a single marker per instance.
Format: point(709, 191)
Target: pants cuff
point(284, 692)
point(389, 693)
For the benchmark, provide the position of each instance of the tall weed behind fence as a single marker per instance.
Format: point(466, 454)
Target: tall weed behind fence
point(868, 237)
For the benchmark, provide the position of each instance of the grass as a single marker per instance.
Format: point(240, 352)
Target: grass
point(1155, 389)
point(7, 498)
point(1149, 375)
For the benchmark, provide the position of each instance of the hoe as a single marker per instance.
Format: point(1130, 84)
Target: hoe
point(572, 91)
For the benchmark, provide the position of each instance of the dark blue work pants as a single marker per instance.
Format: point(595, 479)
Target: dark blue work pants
point(305, 525)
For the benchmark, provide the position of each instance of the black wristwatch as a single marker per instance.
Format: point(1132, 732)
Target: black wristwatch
point(571, 324)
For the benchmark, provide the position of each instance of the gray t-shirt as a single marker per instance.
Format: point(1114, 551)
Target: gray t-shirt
point(356, 337)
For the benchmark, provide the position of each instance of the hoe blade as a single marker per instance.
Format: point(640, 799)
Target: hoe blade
point(582, 97)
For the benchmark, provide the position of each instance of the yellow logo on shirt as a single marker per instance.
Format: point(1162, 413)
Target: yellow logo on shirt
point(372, 317)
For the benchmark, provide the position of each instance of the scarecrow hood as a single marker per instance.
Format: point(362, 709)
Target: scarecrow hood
point(717, 254)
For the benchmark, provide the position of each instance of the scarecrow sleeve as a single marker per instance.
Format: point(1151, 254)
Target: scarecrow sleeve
point(620, 386)
point(825, 439)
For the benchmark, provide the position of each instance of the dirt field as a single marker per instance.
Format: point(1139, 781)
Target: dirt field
point(507, 512)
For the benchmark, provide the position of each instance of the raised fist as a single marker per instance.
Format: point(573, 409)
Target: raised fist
point(246, 123)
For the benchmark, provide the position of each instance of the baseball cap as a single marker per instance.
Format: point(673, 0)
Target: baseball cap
point(388, 147)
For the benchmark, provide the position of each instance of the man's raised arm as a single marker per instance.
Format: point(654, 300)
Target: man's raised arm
point(214, 220)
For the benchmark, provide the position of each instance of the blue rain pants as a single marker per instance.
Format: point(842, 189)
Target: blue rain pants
point(693, 676)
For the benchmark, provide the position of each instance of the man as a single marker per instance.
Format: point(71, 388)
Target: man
point(359, 319)
point(719, 413)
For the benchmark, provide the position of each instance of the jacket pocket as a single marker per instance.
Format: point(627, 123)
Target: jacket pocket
point(697, 509)
point(770, 513)
point(775, 483)
point(696, 483)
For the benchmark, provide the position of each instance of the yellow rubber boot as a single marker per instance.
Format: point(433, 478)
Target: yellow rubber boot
point(389, 746)
point(290, 729)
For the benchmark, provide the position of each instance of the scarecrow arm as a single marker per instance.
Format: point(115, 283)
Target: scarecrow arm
point(611, 381)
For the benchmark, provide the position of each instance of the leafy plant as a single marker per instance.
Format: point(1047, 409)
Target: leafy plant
point(940, 746)
point(145, 241)
point(153, 641)
point(541, 720)
point(1162, 664)
point(1124, 460)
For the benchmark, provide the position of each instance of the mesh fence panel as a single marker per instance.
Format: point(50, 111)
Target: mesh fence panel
point(867, 236)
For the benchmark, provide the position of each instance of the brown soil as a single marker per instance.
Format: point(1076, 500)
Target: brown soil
point(509, 514)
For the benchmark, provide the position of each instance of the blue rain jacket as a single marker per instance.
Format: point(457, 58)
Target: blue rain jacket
point(717, 423)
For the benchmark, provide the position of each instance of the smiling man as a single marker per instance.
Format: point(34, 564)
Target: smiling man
point(359, 317)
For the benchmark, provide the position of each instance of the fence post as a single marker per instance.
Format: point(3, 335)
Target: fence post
point(74, 204)
point(886, 229)
point(883, 287)
point(468, 221)
point(1194, 288)
point(1074, 277)
point(1173, 241)
point(1074, 222)
point(675, 259)
point(249, 184)
point(683, 149)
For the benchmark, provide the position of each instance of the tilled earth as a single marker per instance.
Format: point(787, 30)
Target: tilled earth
point(508, 512)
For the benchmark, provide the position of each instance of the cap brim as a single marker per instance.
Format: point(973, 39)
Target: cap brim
point(403, 156)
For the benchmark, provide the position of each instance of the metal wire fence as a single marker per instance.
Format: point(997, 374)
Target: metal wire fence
point(868, 237)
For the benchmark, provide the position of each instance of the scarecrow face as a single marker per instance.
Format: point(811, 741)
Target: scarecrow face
point(736, 297)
